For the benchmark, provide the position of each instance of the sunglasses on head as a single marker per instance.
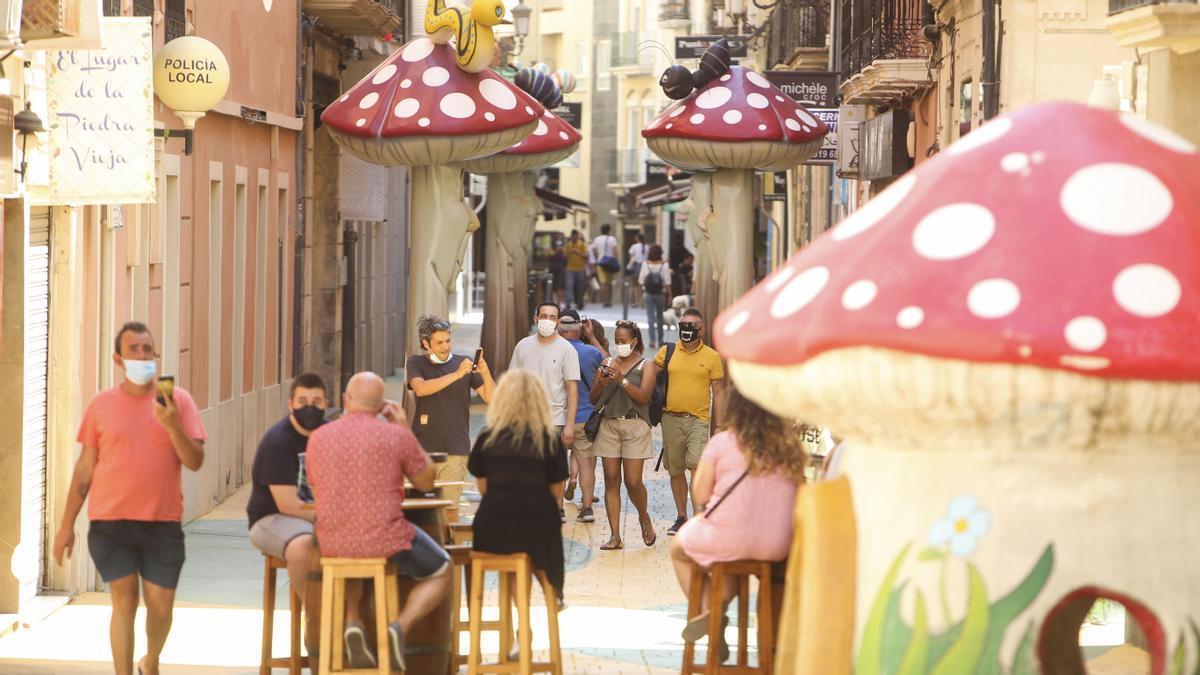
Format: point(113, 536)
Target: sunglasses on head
point(626, 324)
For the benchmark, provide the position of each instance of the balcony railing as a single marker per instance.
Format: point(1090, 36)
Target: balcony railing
point(879, 29)
point(176, 26)
point(796, 24)
point(359, 17)
point(629, 50)
point(1115, 6)
point(143, 7)
point(112, 7)
point(630, 166)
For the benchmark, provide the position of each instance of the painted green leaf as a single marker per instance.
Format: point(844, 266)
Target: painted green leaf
point(1007, 608)
point(1196, 634)
point(870, 651)
point(896, 633)
point(916, 657)
point(929, 554)
point(1024, 661)
point(964, 655)
point(1176, 667)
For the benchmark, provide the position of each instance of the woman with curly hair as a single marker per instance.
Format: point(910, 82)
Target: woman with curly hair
point(744, 489)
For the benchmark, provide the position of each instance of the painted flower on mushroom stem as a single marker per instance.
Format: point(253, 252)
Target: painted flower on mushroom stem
point(962, 527)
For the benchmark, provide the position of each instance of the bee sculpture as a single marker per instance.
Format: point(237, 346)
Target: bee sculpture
point(678, 82)
point(475, 42)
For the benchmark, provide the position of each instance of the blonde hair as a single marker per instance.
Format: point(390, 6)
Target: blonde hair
point(521, 406)
point(769, 442)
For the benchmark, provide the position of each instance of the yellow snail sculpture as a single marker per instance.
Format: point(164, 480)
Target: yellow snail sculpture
point(476, 44)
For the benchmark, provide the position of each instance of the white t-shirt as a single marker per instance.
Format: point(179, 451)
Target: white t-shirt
point(555, 364)
point(637, 253)
point(663, 270)
point(604, 245)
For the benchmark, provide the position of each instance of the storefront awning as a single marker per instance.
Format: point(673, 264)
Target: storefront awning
point(557, 206)
point(673, 192)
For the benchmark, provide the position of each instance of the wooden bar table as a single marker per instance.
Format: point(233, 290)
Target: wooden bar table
point(427, 644)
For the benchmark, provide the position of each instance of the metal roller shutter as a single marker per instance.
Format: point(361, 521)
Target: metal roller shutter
point(33, 451)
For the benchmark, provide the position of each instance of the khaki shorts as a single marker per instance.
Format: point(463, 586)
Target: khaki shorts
point(453, 469)
point(684, 438)
point(272, 534)
point(624, 439)
point(582, 447)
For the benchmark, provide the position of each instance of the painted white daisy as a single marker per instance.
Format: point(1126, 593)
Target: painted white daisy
point(962, 528)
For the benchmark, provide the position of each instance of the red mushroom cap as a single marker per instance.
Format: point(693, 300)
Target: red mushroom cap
point(419, 94)
point(551, 141)
point(741, 108)
point(1060, 236)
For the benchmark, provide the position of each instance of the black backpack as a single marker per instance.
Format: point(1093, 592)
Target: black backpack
point(659, 399)
point(653, 284)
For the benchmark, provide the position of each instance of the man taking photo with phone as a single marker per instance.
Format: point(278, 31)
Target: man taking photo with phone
point(442, 383)
point(133, 448)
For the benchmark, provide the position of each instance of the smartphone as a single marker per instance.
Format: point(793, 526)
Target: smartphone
point(166, 388)
point(478, 355)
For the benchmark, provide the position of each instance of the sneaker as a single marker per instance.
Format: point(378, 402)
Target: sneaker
point(562, 515)
point(396, 644)
point(586, 516)
point(569, 492)
point(675, 528)
point(358, 652)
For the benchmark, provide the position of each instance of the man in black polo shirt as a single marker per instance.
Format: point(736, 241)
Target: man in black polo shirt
point(442, 383)
point(280, 523)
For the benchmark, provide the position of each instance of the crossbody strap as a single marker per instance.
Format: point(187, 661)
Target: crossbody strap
point(709, 511)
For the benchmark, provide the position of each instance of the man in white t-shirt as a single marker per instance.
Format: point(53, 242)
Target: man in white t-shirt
point(604, 250)
point(637, 257)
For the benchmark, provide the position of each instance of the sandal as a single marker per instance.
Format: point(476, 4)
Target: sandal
point(612, 544)
point(648, 526)
point(569, 493)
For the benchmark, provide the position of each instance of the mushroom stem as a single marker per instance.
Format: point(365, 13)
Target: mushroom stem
point(700, 218)
point(730, 232)
point(512, 211)
point(441, 221)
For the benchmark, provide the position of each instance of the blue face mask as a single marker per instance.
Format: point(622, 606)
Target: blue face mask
point(140, 372)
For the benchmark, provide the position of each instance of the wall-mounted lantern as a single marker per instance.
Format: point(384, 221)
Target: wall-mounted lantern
point(27, 124)
point(191, 75)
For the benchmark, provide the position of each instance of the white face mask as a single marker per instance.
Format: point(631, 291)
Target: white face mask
point(437, 359)
point(625, 349)
point(140, 372)
point(546, 327)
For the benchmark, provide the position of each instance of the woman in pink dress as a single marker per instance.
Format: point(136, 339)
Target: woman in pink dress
point(745, 487)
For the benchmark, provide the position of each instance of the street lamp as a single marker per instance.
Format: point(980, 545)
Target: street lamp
point(521, 14)
point(27, 123)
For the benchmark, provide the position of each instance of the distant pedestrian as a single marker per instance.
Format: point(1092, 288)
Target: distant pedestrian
point(622, 389)
point(637, 256)
point(357, 466)
point(520, 464)
point(655, 279)
point(135, 438)
point(682, 276)
point(692, 397)
point(604, 251)
point(558, 269)
point(442, 383)
point(281, 524)
point(583, 461)
point(556, 364)
point(577, 269)
point(745, 484)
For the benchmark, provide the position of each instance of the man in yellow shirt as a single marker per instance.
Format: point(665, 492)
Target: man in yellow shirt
point(577, 263)
point(692, 373)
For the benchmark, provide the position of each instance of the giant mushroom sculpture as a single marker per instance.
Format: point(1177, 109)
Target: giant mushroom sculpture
point(512, 210)
point(420, 109)
point(1007, 337)
point(734, 125)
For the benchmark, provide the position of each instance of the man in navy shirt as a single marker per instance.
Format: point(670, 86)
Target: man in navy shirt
point(583, 462)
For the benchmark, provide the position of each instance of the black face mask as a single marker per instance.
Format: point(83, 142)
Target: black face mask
point(688, 332)
point(309, 417)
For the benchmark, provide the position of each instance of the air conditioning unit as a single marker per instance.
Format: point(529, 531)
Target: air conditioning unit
point(10, 24)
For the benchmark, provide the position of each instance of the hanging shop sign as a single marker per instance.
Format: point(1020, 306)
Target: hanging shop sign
point(694, 46)
point(827, 155)
point(885, 146)
point(849, 139)
point(191, 75)
point(775, 188)
point(813, 88)
point(101, 118)
point(571, 113)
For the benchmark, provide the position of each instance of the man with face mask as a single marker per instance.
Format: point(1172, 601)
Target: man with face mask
point(692, 394)
point(442, 383)
point(556, 363)
point(133, 448)
point(280, 523)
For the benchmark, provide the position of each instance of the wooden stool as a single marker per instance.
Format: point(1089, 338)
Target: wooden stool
point(741, 571)
point(295, 661)
point(461, 533)
point(336, 572)
point(514, 568)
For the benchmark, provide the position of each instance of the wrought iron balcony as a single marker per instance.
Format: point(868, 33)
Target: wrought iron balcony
point(176, 26)
point(795, 25)
point(628, 51)
point(874, 30)
point(1155, 24)
point(358, 17)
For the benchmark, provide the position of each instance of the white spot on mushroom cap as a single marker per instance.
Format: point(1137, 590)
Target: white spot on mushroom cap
point(757, 101)
point(757, 80)
point(779, 278)
point(1085, 333)
point(732, 116)
point(698, 118)
point(529, 111)
point(405, 83)
point(1156, 134)
point(762, 127)
point(362, 122)
point(563, 135)
point(713, 98)
point(417, 50)
point(910, 317)
point(345, 97)
point(678, 110)
point(424, 122)
point(1025, 351)
point(457, 105)
point(876, 209)
point(1084, 362)
point(670, 124)
point(726, 77)
point(1097, 198)
point(385, 73)
point(985, 134)
point(1014, 162)
point(489, 116)
point(780, 98)
point(1146, 290)
point(808, 119)
point(953, 231)
point(368, 101)
point(993, 298)
point(435, 76)
point(859, 294)
point(498, 94)
point(799, 292)
point(735, 323)
point(792, 124)
point(541, 129)
point(407, 108)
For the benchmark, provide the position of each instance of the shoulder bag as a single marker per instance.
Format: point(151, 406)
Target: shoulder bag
point(591, 428)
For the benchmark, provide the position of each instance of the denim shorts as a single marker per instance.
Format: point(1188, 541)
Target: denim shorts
point(424, 560)
point(155, 550)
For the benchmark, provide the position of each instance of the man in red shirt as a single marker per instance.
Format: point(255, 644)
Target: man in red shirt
point(356, 467)
point(133, 448)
